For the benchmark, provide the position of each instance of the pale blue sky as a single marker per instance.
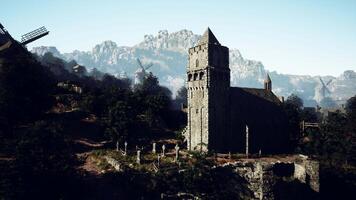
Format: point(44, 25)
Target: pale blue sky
point(296, 37)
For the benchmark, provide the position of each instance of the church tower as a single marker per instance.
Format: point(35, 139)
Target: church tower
point(268, 83)
point(208, 84)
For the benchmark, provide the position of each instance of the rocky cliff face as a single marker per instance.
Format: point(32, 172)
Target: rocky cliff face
point(168, 52)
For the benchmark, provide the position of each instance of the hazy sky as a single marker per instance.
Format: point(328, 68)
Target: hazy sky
point(296, 37)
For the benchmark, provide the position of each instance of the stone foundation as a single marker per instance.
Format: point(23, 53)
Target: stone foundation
point(268, 177)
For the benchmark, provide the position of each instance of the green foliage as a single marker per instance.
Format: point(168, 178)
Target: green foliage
point(120, 120)
point(351, 128)
point(181, 97)
point(293, 107)
point(335, 143)
point(351, 107)
point(295, 101)
point(25, 89)
point(44, 148)
point(44, 165)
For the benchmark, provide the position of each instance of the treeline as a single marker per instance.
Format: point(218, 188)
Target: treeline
point(333, 144)
point(37, 155)
point(334, 139)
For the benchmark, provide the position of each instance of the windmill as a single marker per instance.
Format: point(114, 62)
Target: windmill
point(5, 38)
point(141, 72)
point(324, 88)
point(25, 39)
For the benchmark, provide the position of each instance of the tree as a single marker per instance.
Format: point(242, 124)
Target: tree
point(155, 98)
point(110, 81)
point(120, 121)
point(25, 89)
point(44, 163)
point(181, 97)
point(351, 128)
point(334, 140)
point(351, 108)
point(295, 101)
point(293, 107)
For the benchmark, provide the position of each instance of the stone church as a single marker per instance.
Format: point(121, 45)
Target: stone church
point(218, 114)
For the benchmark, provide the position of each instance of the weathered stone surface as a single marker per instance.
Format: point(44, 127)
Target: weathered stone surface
point(114, 163)
point(208, 97)
point(262, 176)
point(218, 113)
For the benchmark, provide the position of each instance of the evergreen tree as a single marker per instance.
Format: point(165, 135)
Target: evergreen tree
point(334, 140)
point(293, 107)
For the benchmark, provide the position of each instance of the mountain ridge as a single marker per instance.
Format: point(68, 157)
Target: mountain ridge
point(168, 52)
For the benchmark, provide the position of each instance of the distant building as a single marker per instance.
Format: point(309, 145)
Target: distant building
point(80, 70)
point(218, 114)
point(70, 87)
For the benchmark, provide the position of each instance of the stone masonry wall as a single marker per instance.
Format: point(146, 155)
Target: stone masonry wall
point(262, 176)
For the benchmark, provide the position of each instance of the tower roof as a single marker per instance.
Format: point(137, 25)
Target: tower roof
point(208, 38)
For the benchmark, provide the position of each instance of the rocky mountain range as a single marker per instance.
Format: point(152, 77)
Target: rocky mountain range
point(168, 53)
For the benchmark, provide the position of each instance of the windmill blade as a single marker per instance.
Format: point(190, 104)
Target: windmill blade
point(140, 64)
point(322, 82)
point(149, 66)
point(34, 35)
point(329, 82)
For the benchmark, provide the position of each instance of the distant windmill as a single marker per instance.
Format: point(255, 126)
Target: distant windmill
point(141, 72)
point(324, 88)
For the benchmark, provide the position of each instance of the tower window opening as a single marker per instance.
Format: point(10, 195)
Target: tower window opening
point(196, 63)
point(195, 76)
point(190, 77)
point(201, 75)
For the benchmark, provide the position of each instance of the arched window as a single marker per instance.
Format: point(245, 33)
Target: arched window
point(196, 63)
point(190, 77)
point(201, 75)
point(195, 76)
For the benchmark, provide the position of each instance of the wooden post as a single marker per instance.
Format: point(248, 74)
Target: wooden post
point(125, 148)
point(247, 135)
point(138, 158)
point(163, 150)
point(177, 152)
point(154, 148)
point(158, 160)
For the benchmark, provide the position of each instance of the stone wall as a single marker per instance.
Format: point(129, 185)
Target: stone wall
point(280, 178)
